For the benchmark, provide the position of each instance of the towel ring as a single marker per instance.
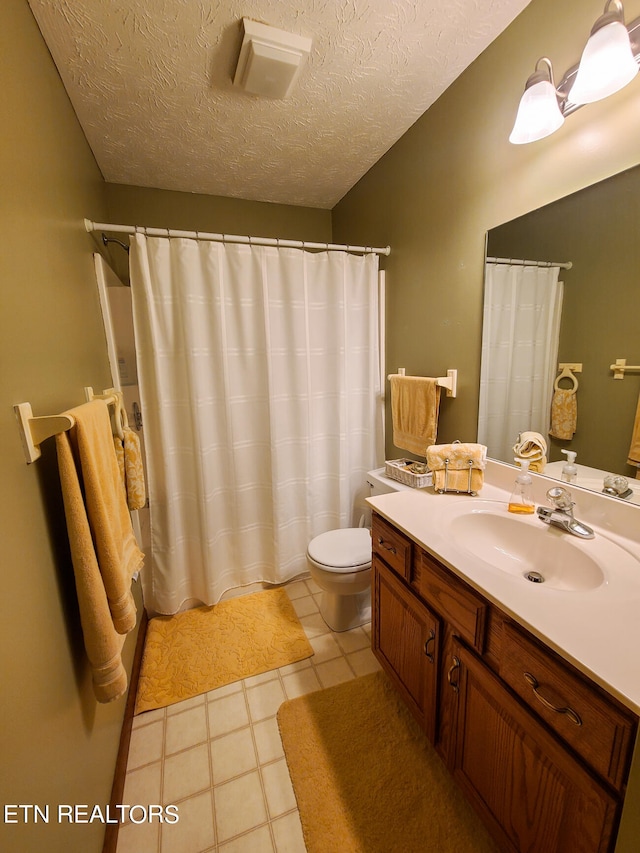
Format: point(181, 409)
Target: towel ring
point(566, 374)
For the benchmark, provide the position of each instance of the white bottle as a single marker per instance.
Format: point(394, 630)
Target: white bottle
point(569, 470)
point(521, 499)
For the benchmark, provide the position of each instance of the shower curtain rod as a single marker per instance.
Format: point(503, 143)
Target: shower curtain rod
point(564, 265)
point(230, 238)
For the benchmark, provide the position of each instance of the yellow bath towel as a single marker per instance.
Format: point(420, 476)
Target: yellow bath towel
point(415, 403)
point(129, 458)
point(564, 414)
point(634, 449)
point(532, 446)
point(451, 464)
point(104, 551)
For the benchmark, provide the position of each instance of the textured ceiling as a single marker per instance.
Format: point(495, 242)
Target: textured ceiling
point(151, 83)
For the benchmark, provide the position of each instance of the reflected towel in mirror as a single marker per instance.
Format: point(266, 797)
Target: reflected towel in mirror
point(564, 414)
point(634, 450)
point(532, 446)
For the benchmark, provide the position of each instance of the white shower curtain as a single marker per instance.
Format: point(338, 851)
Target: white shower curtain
point(260, 388)
point(521, 328)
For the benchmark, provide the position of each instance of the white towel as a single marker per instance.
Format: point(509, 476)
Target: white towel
point(532, 446)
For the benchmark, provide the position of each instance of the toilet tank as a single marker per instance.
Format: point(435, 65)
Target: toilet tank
point(380, 484)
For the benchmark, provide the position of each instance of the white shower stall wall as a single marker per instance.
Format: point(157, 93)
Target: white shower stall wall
point(117, 315)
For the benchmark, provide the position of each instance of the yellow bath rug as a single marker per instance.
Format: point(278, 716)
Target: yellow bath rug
point(366, 778)
point(201, 649)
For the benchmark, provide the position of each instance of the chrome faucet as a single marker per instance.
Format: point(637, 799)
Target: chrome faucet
point(561, 514)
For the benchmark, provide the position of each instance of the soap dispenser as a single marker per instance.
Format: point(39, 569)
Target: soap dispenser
point(521, 499)
point(569, 471)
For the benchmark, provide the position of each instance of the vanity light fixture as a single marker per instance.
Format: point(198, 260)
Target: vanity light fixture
point(609, 61)
point(539, 113)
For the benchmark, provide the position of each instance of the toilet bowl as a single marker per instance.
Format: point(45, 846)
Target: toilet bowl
point(340, 563)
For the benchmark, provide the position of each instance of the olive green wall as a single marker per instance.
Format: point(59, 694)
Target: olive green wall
point(57, 745)
point(597, 230)
point(454, 175)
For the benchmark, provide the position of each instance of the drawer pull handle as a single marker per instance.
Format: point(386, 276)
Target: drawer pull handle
point(569, 712)
point(454, 666)
point(430, 639)
point(389, 548)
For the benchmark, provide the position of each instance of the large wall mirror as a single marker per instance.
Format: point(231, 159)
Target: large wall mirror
point(597, 231)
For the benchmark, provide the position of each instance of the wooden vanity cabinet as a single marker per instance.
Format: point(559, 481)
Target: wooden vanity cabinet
point(531, 792)
point(406, 639)
point(540, 751)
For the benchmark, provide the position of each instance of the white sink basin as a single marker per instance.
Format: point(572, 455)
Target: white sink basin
point(540, 553)
point(520, 545)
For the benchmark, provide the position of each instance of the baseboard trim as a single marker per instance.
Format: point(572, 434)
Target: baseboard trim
point(117, 789)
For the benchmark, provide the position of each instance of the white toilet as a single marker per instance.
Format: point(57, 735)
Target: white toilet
point(340, 563)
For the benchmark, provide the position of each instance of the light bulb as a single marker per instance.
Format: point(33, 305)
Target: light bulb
point(607, 63)
point(539, 113)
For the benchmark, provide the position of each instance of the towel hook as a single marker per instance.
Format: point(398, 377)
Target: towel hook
point(568, 371)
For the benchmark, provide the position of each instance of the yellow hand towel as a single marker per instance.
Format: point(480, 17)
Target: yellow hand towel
point(104, 551)
point(532, 446)
point(634, 449)
point(415, 403)
point(451, 463)
point(564, 414)
point(118, 445)
point(129, 458)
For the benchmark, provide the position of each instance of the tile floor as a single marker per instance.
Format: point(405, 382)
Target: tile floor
point(219, 757)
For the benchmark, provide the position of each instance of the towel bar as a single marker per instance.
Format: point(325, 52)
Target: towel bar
point(621, 366)
point(112, 397)
point(450, 381)
point(34, 430)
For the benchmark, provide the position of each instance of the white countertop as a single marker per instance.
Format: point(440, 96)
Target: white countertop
point(597, 630)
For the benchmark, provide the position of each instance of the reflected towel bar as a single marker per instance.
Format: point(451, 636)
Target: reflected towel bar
point(621, 366)
point(450, 381)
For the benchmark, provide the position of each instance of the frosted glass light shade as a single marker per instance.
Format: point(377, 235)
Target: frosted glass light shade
point(538, 114)
point(607, 65)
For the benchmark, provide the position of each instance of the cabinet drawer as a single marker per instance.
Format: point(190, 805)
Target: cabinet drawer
point(451, 598)
point(600, 731)
point(391, 546)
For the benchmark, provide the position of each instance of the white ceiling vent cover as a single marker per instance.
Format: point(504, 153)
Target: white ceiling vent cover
point(269, 60)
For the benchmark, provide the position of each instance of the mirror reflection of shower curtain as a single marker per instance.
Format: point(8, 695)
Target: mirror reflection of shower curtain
point(260, 386)
point(521, 329)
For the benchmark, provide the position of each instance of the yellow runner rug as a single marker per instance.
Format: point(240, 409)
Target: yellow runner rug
point(201, 649)
point(366, 778)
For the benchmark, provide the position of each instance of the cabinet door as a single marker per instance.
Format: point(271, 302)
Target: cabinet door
point(531, 792)
point(406, 642)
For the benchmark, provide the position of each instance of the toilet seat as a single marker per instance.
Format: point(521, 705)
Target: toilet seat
point(346, 550)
